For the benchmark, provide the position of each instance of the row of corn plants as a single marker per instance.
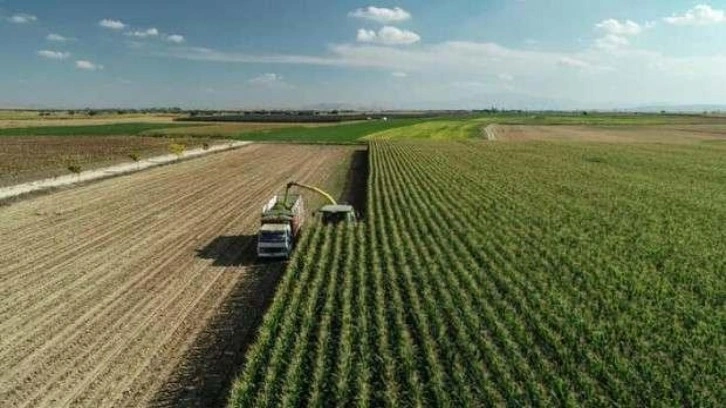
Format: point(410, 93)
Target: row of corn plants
point(533, 274)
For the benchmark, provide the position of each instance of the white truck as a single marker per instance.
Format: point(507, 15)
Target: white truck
point(282, 218)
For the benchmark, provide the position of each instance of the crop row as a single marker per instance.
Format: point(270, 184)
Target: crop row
point(524, 274)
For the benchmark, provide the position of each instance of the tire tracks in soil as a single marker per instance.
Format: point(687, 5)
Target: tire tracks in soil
point(121, 338)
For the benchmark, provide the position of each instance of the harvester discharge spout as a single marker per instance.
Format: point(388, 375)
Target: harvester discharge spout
point(327, 196)
point(332, 213)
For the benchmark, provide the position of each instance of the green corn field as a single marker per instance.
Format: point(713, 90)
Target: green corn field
point(536, 274)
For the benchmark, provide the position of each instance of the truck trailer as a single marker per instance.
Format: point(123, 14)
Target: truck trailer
point(281, 220)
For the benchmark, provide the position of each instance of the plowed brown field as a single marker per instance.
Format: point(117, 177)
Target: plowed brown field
point(109, 292)
point(30, 158)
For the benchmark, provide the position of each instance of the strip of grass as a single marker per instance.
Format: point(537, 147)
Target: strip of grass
point(92, 130)
point(418, 128)
point(471, 127)
point(347, 133)
point(435, 129)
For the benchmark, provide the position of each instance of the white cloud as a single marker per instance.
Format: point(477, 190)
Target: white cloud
point(591, 75)
point(453, 55)
point(208, 54)
point(573, 63)
point(135, 44)
point(175, 38)
point(366, 35)
point(381, 14)
point(615, 27)
point(57, 55)
point(612, 42)
point(112, 24)
point(22, 18)
point(388, 36)
point(616, 33)
point(88, 65)
point(701, 14)
point(266, 79)
point(469, 58)
point(399, 74)
point(151, 32)
point(56, 38)
point(506, 77)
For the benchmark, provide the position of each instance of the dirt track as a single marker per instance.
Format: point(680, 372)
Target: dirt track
point(106, 291)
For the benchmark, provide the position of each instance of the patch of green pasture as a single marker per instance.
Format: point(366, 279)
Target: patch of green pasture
point(472, 127)
point(435, 130)
point(18, 115)
point(344, 133)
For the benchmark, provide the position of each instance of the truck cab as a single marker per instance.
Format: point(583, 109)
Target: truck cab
point(275, 241)
point(280, 223)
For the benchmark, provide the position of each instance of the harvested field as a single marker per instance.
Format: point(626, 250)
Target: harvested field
point(112, 293)
point(614, 134)
point(25, 159)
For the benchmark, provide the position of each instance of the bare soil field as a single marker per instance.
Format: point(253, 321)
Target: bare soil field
point(625, 134)
point(25, 158)
point(142, 289)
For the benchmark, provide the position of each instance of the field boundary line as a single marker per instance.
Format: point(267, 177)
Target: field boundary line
point(113, 171)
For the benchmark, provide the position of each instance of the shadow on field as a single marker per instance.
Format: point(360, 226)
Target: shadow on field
point(205, 375)
point(206, 372)
point(234, 250)
point(356, 184)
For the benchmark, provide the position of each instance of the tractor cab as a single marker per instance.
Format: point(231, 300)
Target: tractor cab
point(333, 214)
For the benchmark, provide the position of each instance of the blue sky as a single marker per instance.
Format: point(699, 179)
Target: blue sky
point(405, 54)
